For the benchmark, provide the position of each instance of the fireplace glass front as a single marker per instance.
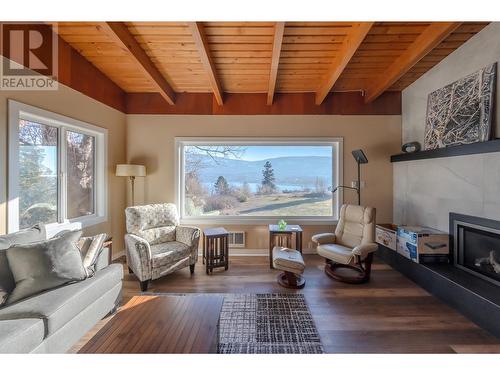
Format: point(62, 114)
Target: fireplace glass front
point(478, 250)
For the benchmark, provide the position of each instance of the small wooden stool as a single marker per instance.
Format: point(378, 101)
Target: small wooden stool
point(292, 264)
point(215, 248)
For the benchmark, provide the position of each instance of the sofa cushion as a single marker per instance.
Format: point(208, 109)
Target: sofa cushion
point(45, 265)
point(20, 335)
point(169, 252)
point(7, 282)
point(58, 306)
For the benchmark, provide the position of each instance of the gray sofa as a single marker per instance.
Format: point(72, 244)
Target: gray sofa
point(53, 321)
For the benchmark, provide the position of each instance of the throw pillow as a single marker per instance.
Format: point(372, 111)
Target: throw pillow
point(90, 248)
point(3, 297)
point(25, 236)
point(45, 265)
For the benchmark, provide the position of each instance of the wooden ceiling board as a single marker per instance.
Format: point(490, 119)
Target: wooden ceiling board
point(242, 54)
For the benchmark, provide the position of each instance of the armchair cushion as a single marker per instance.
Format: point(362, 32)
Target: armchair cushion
point(169, 252)
point(356, 225)
point(324, 238)
point(155, 223)
point(337, 253)
point(365, 249)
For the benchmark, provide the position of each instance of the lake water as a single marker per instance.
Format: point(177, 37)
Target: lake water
point(254, 186)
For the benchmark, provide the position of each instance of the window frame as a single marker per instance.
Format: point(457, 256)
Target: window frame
point(337, 178)
point(21, 111)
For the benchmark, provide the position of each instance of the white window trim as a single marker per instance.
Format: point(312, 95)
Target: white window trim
point(180, 142)
point(18, 110)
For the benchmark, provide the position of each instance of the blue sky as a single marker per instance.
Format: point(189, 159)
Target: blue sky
point(253, 153)
point(268, 152)
point(50, 157)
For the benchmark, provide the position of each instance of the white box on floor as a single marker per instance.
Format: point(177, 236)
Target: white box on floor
point(386, 235)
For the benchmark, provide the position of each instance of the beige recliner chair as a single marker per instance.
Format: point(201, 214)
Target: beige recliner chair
point(349, 251)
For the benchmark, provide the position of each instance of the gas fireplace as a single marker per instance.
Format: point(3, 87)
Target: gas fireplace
point(476, 246)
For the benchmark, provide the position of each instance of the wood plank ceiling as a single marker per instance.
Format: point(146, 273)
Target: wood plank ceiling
point(265, 57)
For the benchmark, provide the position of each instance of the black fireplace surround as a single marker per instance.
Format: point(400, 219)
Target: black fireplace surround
point(476, 246)
point(470, 282)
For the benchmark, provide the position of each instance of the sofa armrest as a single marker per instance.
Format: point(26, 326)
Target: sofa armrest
point(323, 238)
point(138, 256)
point(365, 249)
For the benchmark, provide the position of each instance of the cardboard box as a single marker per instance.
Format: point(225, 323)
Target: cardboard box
point(423, 244)
point(386, 234)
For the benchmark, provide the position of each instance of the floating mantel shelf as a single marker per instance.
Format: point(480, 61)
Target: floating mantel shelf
point(470, 149)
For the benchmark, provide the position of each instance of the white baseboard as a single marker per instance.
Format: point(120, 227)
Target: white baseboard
point(233, 252)
point(255, 252)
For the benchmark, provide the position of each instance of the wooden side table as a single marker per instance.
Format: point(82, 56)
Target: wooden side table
point(283, 238)
point(109, 244)
point(215, 248)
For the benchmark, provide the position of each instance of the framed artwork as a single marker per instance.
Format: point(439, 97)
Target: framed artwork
point(461, 112)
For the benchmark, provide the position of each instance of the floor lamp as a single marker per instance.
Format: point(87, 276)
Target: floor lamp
point(360, 158)
point(131, 171)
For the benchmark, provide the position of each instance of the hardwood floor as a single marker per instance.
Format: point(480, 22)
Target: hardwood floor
point(390, 314)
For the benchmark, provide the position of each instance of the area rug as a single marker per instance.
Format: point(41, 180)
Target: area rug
point(267, 323)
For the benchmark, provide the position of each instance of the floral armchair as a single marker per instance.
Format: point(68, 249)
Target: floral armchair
point(156, 244)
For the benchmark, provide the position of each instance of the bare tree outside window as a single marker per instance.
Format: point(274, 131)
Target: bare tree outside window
point(37, 174)
point(80, 166)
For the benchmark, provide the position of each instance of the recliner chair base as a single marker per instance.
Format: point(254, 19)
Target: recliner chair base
point(356, 274)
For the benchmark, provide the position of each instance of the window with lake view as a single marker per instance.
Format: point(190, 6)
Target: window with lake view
point(266, 179)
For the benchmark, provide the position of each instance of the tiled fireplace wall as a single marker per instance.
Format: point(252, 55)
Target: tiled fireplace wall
point(425, 191)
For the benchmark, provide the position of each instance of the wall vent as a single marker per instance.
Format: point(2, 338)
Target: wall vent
point(237, 239)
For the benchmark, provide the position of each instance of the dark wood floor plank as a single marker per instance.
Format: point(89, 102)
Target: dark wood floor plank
point(164, 331)
point(174, 318)
point(390, 314)
point(149, 332)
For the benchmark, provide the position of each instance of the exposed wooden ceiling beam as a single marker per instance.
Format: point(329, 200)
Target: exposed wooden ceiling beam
point(434, 34)
point(349, 47)
point(201, 43)
point(121, 34)
point(279, 29)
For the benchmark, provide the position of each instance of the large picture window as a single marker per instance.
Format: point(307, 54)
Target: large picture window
point(257, 180)
point(56, 170)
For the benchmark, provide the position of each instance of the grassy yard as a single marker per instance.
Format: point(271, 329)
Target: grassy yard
point(291, 204)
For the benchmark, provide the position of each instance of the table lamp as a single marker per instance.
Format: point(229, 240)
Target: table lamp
point(131, 171)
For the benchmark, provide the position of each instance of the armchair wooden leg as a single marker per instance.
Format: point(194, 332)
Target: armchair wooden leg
point(191, 268)
point(144, 285)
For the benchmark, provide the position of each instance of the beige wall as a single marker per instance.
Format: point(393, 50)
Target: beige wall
point(150, 141)
point(71, 103)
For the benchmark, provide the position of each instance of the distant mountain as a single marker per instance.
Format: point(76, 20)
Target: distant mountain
point(293, 170)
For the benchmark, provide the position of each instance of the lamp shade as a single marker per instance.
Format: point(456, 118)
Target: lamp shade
point(129, 170)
